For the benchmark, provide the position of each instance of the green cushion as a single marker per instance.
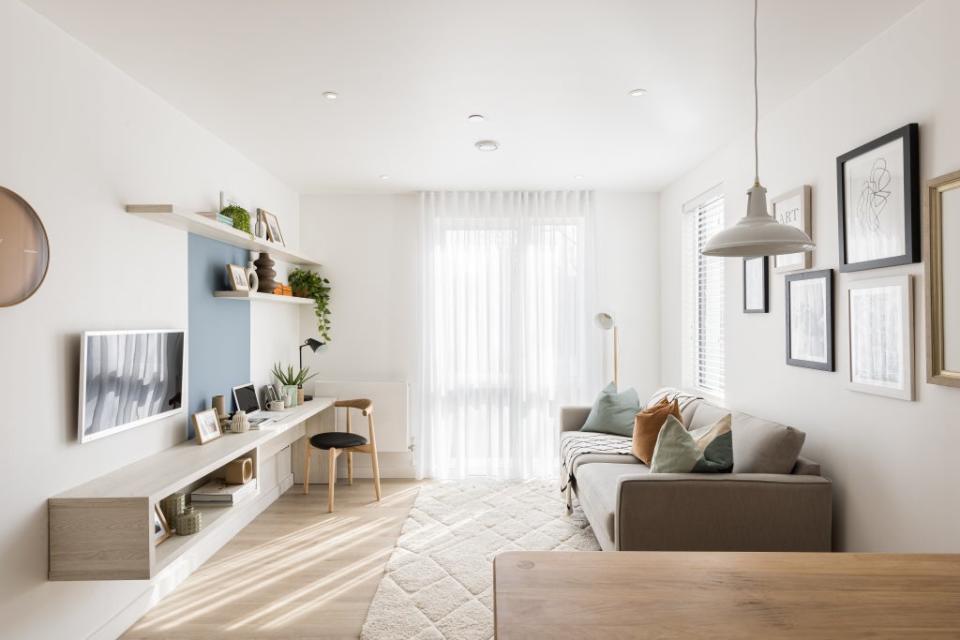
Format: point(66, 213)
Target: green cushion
point(677, 450)
point(613, 412)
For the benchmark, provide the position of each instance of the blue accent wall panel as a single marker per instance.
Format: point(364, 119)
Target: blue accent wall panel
point(219, 330)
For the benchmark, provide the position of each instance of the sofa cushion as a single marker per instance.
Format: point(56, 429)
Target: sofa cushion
point(597, 489)
point(647, 424)
point(687, 401)
point(762, 446)
point(613, 412)
point(704, 450)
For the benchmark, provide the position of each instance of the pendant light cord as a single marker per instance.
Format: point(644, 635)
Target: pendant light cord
point(756, 101)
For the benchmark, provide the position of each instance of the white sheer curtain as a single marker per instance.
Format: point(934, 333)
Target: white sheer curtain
point(507, 333)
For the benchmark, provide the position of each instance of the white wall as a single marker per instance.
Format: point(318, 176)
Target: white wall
point(80, 139)
point(897, 483)
point(369, 246)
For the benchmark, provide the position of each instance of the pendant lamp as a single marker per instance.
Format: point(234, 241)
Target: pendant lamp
point(757, 233)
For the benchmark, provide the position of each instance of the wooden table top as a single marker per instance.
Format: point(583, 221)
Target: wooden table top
point(667, 595)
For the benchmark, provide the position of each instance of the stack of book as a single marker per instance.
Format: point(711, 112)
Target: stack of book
point(218, 492)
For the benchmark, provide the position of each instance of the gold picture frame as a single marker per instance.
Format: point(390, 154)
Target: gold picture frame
point(939, 298)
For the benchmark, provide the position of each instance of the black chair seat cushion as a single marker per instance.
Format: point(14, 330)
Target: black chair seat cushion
point(337, 440)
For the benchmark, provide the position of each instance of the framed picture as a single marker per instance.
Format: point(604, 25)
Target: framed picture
point(943, 280)
point(880, 322)
point(809, 316)
point(238, 278)
point(755, 289)
point(273, 227)
point(161, 528)
point(207, 426)
point(878, 193)
point(793, 208)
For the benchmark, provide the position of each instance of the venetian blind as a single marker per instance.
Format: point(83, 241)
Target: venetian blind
point(704, 295)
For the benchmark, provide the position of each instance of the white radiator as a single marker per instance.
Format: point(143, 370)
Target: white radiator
point(390, 410)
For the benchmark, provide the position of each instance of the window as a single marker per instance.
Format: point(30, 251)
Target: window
point(703, 296)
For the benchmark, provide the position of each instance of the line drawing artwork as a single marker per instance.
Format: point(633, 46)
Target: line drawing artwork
point(874, 195)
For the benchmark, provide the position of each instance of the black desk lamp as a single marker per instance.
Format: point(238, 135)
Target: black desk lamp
point(314, 345)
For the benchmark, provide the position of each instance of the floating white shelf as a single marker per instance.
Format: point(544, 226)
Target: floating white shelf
point(267, 297)
point(202, 226)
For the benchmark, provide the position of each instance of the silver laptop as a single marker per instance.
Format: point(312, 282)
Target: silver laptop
point(245, 398)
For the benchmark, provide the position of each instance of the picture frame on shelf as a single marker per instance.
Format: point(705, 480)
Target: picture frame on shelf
point(273, 227)
point(878, 202)
point(880, 330)
point(756, 285)
point(161, 528)
point(237, 276)
point(793, 209)
point(206, 424)
point(942, 280)
point(809, 317)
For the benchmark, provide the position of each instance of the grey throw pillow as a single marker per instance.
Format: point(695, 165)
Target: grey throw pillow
point(613, 412)
point(761, 446)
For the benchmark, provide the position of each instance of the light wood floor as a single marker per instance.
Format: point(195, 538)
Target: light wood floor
point(294, 572)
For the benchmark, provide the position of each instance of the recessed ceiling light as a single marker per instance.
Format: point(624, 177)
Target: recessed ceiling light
point(487, 145)
point(384, 177)
point(578, 177)
point(636, 93)
point(330, 95)
point(475, 117)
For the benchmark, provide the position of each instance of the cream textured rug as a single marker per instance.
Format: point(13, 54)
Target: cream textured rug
point(439, 580)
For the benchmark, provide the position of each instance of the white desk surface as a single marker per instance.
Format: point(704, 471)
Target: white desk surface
point(163, 473)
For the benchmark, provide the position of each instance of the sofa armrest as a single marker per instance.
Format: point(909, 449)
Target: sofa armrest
point(572, 418)
point(723, 512)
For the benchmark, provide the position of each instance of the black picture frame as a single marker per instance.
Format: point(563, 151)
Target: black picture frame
point(827, 276)
point(911, 178)
point(766, 285)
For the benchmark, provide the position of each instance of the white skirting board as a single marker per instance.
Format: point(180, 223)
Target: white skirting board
point(171, 577)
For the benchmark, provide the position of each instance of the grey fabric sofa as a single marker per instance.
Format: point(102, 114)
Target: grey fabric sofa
point(631, 509)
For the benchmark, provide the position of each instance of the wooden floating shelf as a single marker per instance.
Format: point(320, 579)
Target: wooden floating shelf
point(266, 297)
point(202, 226)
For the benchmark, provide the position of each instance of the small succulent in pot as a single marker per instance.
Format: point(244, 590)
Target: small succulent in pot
point(239, 215)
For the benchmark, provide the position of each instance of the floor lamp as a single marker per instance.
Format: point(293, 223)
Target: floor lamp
point(606, 322)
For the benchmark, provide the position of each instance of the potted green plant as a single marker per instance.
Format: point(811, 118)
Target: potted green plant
point(309, 284)
point(292, 382)
point(239, 215)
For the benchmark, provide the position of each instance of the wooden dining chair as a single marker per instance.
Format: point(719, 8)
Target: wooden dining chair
point(338, 442)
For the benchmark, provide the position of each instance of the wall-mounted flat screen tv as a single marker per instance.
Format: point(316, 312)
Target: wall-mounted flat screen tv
point(127, 379)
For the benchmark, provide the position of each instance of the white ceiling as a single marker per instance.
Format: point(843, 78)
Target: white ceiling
point(551, 76)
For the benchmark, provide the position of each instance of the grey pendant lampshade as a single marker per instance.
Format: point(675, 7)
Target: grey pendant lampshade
point(757, 233)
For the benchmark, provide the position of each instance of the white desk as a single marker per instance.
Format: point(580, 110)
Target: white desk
point(101, 530)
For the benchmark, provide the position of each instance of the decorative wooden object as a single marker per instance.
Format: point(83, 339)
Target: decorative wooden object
point(239, 471)
point(678, 595)
point(265, 273)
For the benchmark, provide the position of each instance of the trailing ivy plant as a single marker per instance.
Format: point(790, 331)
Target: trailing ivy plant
point(239, 215)
point(308, 284)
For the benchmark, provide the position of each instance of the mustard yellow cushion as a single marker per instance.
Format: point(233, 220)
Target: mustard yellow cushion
point(647, 424)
